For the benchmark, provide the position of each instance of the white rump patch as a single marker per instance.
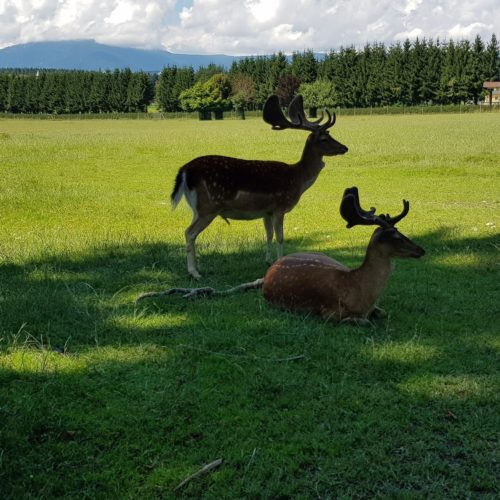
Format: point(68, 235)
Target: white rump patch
point(192, 200)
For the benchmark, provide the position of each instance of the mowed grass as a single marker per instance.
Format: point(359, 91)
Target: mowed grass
point(102, 398)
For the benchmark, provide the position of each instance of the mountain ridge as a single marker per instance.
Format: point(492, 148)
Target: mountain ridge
point(90, 55)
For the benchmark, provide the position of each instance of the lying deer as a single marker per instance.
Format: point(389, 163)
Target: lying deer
point(252, 189)
point(315, 283)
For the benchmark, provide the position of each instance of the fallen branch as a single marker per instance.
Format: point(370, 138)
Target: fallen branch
point(194, 293)
point(206, 468)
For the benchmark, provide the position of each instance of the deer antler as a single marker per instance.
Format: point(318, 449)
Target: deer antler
point(297, 115)
point(351, 211)
point(354, 215)
point(392, 221)
point(273, 115)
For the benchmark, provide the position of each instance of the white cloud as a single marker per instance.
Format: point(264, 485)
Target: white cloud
point(378, 27)
point(414, 33)
point(412, 5)
point(122, 13)
point(285, 32)
point(458, 31)
point(245, 26)
point(262, 10)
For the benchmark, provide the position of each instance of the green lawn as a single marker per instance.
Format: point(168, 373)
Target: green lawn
point(100, 398)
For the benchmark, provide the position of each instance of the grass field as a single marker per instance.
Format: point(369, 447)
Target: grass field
point(100, 398)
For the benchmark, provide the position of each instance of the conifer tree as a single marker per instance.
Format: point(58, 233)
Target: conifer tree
point(394, 74)
point(4, 86)
point(276, 68)
point(15, 94)
point(304, 66)
point(492, 60)
point(477, 70)
point(99, 92)
point(165, 91)
point(184, 79)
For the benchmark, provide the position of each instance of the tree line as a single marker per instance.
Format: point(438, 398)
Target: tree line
point(53, 91)
point(408, 73)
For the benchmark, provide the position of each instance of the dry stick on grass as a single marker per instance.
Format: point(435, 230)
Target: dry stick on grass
point(192, 293)
point(243, 356)
point(206, 468)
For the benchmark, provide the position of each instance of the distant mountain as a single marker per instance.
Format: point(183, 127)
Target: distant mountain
point(89, 55)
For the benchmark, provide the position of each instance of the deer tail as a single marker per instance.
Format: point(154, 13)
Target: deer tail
point(179, 188)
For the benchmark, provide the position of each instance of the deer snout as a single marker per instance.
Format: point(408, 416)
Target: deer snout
point(341, 149)
point(418, 252)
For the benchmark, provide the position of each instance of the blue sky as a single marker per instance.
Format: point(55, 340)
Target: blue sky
point(243, 27)
point(181, 4)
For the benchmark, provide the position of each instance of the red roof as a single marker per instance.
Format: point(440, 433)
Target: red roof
point(491, 85)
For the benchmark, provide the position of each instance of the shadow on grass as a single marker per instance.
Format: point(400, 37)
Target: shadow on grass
point(293, 405)
point(332, 423)
point(88, 299)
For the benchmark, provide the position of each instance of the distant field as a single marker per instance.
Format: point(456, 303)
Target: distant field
point(100, 398)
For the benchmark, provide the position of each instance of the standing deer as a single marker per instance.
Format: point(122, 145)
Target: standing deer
point(315, 283)
point(233, 188)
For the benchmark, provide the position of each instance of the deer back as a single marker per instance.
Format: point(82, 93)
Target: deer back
point(308, 283)
point(223, 173)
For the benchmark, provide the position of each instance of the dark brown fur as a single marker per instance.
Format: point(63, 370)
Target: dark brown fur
point(257, 176)
point(233, 188)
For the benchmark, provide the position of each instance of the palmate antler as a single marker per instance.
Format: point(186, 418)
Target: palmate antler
point(354, 215)
point(273, 115)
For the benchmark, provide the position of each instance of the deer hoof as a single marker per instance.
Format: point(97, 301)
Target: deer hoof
point(378, 313)
point(195, 274)
point(356, 321)
point(270, 260)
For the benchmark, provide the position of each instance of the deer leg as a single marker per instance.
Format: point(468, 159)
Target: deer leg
point(268, 225)
point(196, 227)
point(377, 313)
point(278, 231)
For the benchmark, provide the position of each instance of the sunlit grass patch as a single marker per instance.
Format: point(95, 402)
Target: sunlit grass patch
point(41, 362)
point(56, 360)
point(148, 322)
point(463, 386)
point(402, 352)
point(468, 257)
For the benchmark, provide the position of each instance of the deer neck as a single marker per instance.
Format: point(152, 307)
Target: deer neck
point(373, 274)
point(310, 165)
